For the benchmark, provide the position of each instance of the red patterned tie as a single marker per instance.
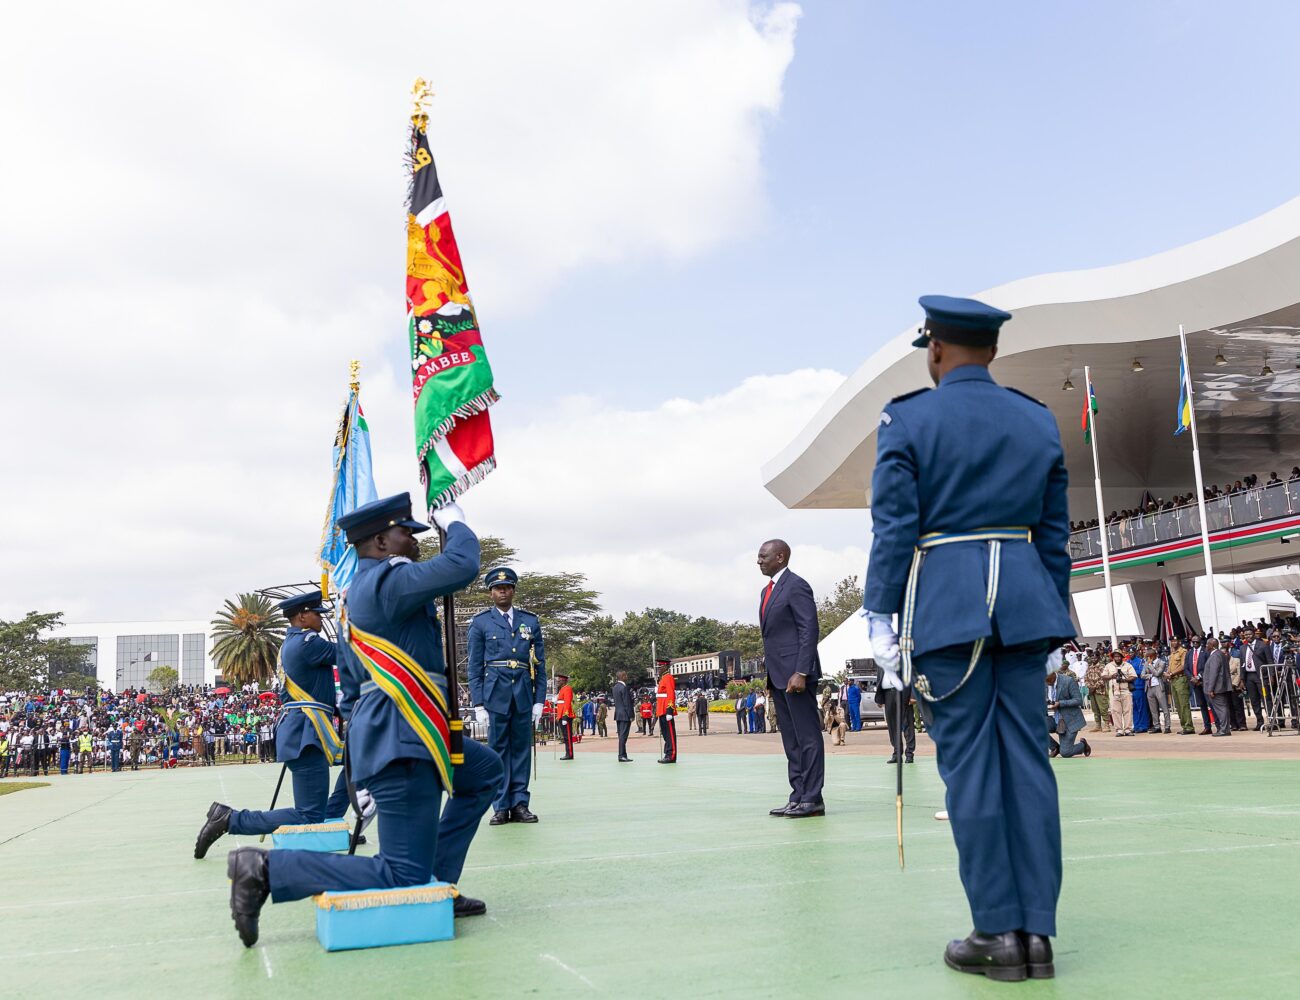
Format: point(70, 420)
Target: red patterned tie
point(766, 594)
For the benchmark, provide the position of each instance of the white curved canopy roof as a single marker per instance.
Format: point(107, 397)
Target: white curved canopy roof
point(1236, 293)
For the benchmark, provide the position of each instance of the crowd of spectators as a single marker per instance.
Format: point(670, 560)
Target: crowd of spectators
point(67, 731)
point(1149, 504)
point(1146, 686)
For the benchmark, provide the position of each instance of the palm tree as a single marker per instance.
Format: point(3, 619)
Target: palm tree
point(247, 634)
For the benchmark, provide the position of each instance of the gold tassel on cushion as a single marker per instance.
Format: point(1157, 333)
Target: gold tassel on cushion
point(313, 828)
point(386, 897)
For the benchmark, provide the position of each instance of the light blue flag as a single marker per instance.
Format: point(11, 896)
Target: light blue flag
point(354, 485)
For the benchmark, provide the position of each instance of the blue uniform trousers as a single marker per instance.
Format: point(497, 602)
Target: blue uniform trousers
point(1002, 800)
point(417, 839)
point(311, 782)
point(855, 717)
point(511, 736)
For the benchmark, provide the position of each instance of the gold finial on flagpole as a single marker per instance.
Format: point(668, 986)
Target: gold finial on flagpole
point(421, 93)
point(354, 375)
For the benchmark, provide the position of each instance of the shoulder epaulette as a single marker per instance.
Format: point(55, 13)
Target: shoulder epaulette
point(1027, 396)
point(481, 613)
point(907, 395)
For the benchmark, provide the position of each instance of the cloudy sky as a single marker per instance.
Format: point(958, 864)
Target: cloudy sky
point(684, 222)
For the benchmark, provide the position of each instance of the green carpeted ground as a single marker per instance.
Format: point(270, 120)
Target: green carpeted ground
point(1181, 880)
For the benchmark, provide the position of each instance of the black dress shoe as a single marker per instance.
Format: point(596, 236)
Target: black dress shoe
point(667, 760)
point(499, 818)
point(361, 840)
point(782, 810)
point(998, 956)
point(1087, 749)
point(567, 756)
point(625, 760)
point(1054, 750)
point(893, 759)
point(1038, 956)
point(249, 887)
point(907, 759)
point(801, 809)
point(520, 814)
point(1204, 732)
point(214, 828)
point(468, 906)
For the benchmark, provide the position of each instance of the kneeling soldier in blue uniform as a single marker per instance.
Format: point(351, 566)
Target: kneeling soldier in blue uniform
point(305, 738)
point(507, 687)
point(969, 525)
point(395, 685)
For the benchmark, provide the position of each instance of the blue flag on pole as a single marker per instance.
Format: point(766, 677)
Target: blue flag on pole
point(354, 485)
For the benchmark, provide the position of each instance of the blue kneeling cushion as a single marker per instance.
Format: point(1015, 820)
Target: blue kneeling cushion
point(332, 835)
point(374, 918)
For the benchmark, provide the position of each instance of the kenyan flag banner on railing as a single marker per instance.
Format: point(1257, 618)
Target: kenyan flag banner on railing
point(450, 375)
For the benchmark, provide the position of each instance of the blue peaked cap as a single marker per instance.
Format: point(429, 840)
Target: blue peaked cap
point(372, 518)
point(501, 576)
point(290, 606)
point(968, 322)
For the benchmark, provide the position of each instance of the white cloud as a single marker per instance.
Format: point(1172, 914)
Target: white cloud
point(664, 506)
point(204, 225)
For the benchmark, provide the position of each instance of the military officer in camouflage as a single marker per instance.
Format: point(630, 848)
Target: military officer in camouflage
point(969, 532)
point(507, 685)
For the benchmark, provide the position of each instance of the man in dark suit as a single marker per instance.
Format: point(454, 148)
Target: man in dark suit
point(1217, 685)
point(622, 714)
point(787, 616)
point(888, 697)
point(1255, 655)
point(702, 713)
point(1196, 654)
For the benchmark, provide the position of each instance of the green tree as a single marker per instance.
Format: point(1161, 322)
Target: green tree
point(562, 601)
point(844, 600)
point(27, 660)
point(163, 678)
point(247, 636)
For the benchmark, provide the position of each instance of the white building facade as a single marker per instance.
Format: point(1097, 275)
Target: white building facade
point(123, 654)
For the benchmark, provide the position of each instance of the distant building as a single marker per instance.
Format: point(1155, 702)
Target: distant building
point(705, 669)
point(122, 655)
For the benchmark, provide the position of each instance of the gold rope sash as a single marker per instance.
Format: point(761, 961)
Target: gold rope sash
point(419, 700)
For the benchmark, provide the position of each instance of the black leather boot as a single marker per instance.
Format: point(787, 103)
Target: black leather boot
point(249, 887)
point(522, 814)
point(1038, 956)
point(214, 828)
point(997, 956)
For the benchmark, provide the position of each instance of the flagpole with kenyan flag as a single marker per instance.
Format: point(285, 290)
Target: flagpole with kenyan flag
point(1187, 419)
point(451, 378)
point(1089, 421)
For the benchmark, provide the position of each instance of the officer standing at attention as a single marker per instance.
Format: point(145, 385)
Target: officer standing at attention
point(564, 714)
point(394, 651)
point(507, 686)
point(305, 739)
point(969, 526)
point(666, 713)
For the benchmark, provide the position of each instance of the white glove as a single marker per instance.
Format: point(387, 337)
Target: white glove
point(890, 679)
point(537, 713)
point(366, 803)
point(1054, 659)
point(447, 515)
point(884, 642)
point(481, 715)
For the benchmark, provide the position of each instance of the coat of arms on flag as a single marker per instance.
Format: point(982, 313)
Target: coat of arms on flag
point(450, 374)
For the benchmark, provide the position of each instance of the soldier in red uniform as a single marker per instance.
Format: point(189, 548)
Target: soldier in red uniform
point(564, 713)
point(665, 712)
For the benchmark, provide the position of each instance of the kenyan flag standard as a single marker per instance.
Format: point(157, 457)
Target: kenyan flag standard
point(450, 375)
